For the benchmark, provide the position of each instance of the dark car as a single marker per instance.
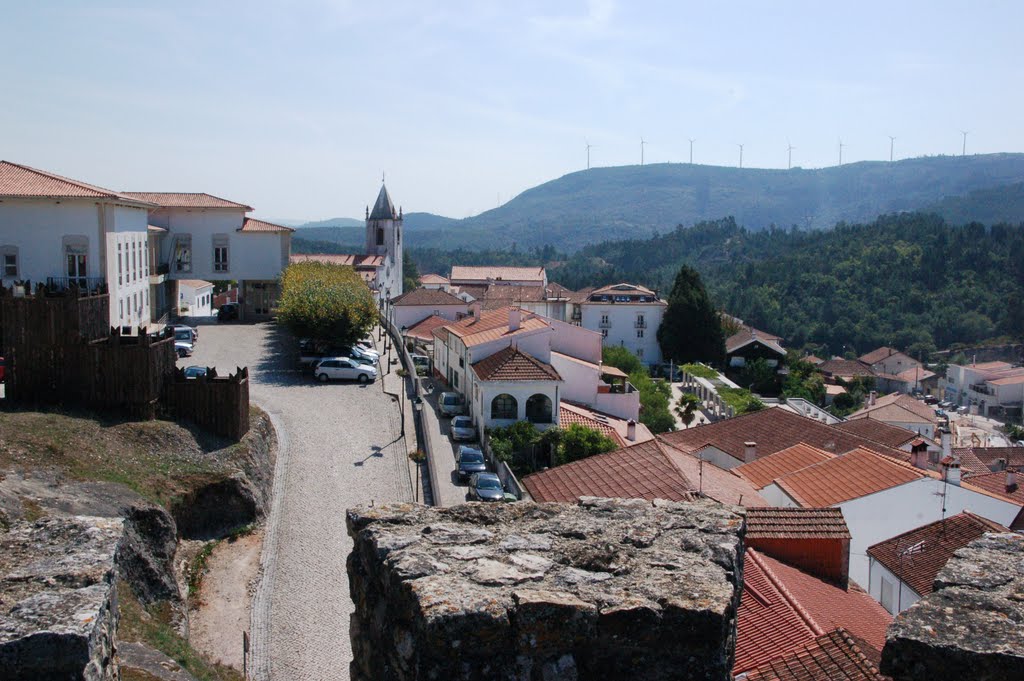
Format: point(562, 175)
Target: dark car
point(227, 312)
point(195, 371)
point(471, 460)
point(486, 487)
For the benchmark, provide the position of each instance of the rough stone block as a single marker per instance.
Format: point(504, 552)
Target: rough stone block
point(972, 625)
point(605, 589)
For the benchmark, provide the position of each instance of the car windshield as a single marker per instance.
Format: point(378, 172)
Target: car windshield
point(461, 422)
point(488, 483)
point(450, 399)
point(471, 457)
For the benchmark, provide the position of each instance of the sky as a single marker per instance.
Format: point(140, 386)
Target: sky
point(299, 108)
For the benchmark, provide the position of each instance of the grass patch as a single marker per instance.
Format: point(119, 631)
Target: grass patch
point(740, 399)
point(31, 510)
point(196, 571)
point(153, 627)
point(700, 371)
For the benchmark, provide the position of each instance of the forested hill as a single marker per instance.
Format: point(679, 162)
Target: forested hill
point(907, 280)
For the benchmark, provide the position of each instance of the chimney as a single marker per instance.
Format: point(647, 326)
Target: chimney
point(514, 315)
point(872, 396)
point(749, 452)
point(1011, 480)
point(631, 430)
point(474, 309)
point(947, 439)
point(919, 454)
point(951, 470)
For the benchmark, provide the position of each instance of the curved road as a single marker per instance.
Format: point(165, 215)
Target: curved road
point(340, 445)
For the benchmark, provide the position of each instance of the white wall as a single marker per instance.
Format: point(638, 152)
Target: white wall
point(576, 341)
point(198, 301)
point(580, 380)
point(410, 315)
point(902, 595)
point(535, 343)
point(622, 329)
point(774, 495)
point(485, 391)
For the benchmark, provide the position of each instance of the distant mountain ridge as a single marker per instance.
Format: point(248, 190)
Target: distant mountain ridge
point(629, 202)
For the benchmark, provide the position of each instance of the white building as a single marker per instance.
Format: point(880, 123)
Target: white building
point(902, 411)
point(507, 276)
point(413, 307)
point(627, 315)
point(58, 231)
point(195, 298)
point(990, 388)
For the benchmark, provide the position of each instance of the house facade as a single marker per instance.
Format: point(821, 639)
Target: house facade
point(195, 298)
point(626, 315)
point(988, 388)
point(414, 306)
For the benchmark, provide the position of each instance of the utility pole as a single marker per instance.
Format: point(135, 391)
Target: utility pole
point(741, 154)
point(642, 144)
point(789, 162)
point(691, 150)
point(588, 154)
point(892, 145)
point(963, 151)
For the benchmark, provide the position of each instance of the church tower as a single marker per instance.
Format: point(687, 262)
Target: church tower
point(384, 237)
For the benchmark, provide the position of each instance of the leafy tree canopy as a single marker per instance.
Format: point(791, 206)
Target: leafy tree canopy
point(621, 358)
point(329, 303)
point(691, 329)
point(578, 442)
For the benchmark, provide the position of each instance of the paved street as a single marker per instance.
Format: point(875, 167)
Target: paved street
point(341, 445)
point(451, 492)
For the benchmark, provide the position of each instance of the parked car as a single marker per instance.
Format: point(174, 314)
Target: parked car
point(343, 368)
point(451, 404)
point(462, 429)
point(359, 352)
point(931, 399)
point(486, 487)
point(420, 361)
point(227, 311)
point(182, 348)
point(311, 352)
point(183, 328)
point(195, 371)
point(185, 336)
point(962, 410)
point(470, 461)
point(945, 404)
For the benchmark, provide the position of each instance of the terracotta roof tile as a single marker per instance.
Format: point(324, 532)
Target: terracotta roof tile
point(928, 548)
point(623, 289)
point(880, 354)
point(187, 200)
point(761, 472)
point(482, 274)
point(254, 225)
point(1013, 456)
point(640, 471)
point(194, 283)
point(494, 324)
point(749, 334)
point(879, 431)
point(424, 329)
point(796, 523)
point(834, 656)
point(20, 181)
point(897, 406)
point(715, 483)
point(916, 374)
point(433, 279)
point(850, 476)
point(844, 367)
point(1008, 380)
point(970, 464)
point(358, 260)
point(569, 415)
point(995, 484)
point(427, 296)
point(510, 364)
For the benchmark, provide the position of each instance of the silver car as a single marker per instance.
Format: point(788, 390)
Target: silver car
point(462, 429)
point(343, 368)
point(451, 404)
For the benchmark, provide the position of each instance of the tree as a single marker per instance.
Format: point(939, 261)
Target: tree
point(654, 402)
point(410, 273)
point(621, 358)
point(691, 329)
point(686, 408)
point(578, 442)
point(328, 303)
point(760, 375)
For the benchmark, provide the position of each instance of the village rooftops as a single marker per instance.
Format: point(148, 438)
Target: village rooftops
point(748, 335)
point(610, 426)
point(22, 182)
point(725, 487)
point(763, 471)
point(879, 431)
point(427, 297)
point(254, 225)
point(187, 200)
point(845, 368)
point(916, 557)
point(493, 325)
point(1000, 457)
point(835, 656)
point(897, 407)
point(463, 273)
point(625, 293)
point(433, 279)
point(511, 364)
point(882, 353)
point(796, 523)
point(424, 330)
point(853, 475)
point(357, 261)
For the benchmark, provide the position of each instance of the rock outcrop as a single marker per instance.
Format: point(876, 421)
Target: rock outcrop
point(58, 610)
point(606, 589)
point(972, 625)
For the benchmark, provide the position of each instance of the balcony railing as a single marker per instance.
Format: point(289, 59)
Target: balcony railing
point(982, 389)
point(640, 324)
point(85, 285)
point(605, 324)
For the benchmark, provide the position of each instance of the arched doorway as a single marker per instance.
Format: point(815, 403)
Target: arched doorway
point(538, 409)
point(504, 406)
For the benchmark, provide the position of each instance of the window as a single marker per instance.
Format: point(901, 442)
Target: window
point(120, 305)
point(604, 319)
point(75, 250)
point(220, 253)
point(133, 272)
point(380, 236)
point(640, 353)
point(887, 601)
point(120, 265)
point(504, 406)
point(538, 409)
point(183, 253)
point(639, 333)
point(455, 380)
point(10, 261)
point(604, 333)
point(462, 363)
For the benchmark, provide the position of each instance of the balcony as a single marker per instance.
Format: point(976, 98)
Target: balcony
point(84, 285)
point(640, 324)
point(982, 389)
point(604, 324)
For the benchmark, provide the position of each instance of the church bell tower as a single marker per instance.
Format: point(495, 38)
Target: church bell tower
point(384, 238)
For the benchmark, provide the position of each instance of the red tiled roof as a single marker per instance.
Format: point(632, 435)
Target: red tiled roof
point(772, 430)
point(187, 200)
point(796, 523)
point(970, 464)
point(917, 374)
point(749, 334)
point(428, 297)
point(879, 431)
point(510, 364)
point(462, 272)
point(1013, 456)
point(424, 329)
point(894, 402)
point(834, 656)
point(623, 289)
point(254, 225)
point(569, 415)
point(761, 472)
point(928, 548)
point(433, 279)
point(715, 483)
point(844, 367)
point(20, 181)
point(830, 605)
point(880, 354)
point(492, 325)
point(1008, 380)
point(850, 476)
point(640, 471)
point(995, 484)
point(359, 260)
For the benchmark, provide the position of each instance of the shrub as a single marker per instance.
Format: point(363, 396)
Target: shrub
point(578, 442)
point(325, 302)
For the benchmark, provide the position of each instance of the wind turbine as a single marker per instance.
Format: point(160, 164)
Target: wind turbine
point(642, 145)
point(789, 148)
point(741, 154)
point(892, 145)
point(963, 152)
point(589, 145)
point(692, 140)
point(841, 145)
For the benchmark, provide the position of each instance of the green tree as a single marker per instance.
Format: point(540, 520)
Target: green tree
point(691, 329)
point(760, 375)
point(578, 442)
point(621, 358)
point(687, 407)
point(410, 273)
point(324, 302)
point(803, 380)
point(654, 402)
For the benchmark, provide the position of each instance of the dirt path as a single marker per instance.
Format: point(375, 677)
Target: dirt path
point(226, 597)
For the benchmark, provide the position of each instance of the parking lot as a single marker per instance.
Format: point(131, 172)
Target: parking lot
point(340, 445)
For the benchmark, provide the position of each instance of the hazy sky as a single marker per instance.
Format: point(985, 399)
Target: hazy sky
point(296, 108)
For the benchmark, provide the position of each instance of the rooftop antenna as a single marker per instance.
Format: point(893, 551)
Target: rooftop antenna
point(841, 145)
point(741, 154)
point(892, 145)
point(963, 151)
point(588, 154)
point(692, 140)
point(642, 145)
point(789, 148)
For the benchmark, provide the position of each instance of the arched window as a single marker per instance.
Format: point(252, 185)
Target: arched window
point(538, 409)
point(504, 406)
point(380, 236)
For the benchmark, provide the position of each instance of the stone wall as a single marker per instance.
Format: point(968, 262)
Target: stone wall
point(972, 625)
point(58, 609)
point(606, 589)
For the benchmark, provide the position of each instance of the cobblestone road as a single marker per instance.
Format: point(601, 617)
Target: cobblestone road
point(340, 446)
